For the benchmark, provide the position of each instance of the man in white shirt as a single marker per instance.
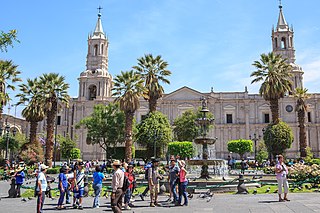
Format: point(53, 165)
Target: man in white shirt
point(41, 187)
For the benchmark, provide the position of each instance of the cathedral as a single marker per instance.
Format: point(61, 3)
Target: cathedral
point(237, 114)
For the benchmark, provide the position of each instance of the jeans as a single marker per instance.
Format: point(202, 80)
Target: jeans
point(173, 186)
point(127, 196)
point(18, 189)
point(61, 198)
point(183, 192)
point(40, 201)
point(68, 196)
point(97, 189)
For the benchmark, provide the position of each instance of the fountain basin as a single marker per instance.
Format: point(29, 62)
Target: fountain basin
point(202, 141)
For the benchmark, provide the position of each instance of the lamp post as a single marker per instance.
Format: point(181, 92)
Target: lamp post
point(255, 139)
point(155, 144)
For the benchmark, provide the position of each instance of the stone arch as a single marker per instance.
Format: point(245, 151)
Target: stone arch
point(95, 50)
point(283, 43)
point(92, 92)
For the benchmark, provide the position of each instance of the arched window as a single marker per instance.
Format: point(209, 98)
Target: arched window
point(101, 49)
point(95, 50)
point(92, 92)
point(276, 42)
point(283, 43)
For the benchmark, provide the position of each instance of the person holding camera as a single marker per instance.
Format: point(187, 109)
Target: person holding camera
point(281, 175)
point(153, 180)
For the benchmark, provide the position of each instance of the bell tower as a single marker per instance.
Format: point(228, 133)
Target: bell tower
point(283, 44)
point(95, 83)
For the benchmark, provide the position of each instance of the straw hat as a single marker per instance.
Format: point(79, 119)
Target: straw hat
point(116, 163)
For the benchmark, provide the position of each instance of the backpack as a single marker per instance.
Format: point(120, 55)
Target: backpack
point(126, 183)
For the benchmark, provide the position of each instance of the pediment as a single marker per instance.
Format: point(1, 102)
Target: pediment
point(229, 107)
point(184, 93)
point(264, 106)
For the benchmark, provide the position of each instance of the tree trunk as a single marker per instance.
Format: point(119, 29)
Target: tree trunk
point(128, 137)
point(153, 104)
point(302, 134)
point(274, 107)
point(33, 132)
point(51, 118)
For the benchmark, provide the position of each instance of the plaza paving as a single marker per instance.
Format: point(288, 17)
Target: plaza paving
point(304, 203)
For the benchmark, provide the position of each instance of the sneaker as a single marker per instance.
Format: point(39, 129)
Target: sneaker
point(80, 207)
point(74, 206)
point(96, 207)
point(152, 205)
point(141, 196)
point(127, 207)
point(131, 204)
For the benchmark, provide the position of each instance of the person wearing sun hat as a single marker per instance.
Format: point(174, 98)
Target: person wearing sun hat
point(19, 179)
point(153, 180)
point(41, 187)
point(116, 185)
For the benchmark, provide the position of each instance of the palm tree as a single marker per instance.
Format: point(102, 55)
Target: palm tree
point(8, 76)
point(301, 108)
point(34, 111)
point(275, 73)
point(152, 71)
point(55, 91)
point(128, 87)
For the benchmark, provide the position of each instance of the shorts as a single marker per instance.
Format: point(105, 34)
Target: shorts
point(79, 193)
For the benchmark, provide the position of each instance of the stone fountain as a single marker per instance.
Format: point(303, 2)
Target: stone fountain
point(204, 140)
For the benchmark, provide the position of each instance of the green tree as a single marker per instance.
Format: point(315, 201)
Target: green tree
point(128, 88)
point(185, 127)
point(184, 149)
point(75, 153)
point(154, 131)
point(301, 108)
point(106, 127)
point(262, 153)
point(153, 70)
point(278, 138)
point(240, 146)
point(54, 89)
point(8, 76)
point(275, 73)
point(7, 39)
point(66, 145)
point(34, 111)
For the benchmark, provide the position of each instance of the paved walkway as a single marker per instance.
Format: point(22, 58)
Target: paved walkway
point(221, 203)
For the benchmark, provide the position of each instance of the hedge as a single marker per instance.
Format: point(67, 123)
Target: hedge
point(184, 149)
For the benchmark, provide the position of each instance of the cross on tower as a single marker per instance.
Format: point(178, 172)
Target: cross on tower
point(99, 8)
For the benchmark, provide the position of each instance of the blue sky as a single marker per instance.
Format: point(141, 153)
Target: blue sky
point(207, 43)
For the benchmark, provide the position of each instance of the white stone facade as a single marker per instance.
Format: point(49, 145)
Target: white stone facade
point(237, 114)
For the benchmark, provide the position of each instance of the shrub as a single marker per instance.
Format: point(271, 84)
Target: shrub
point(184, 149)
point(75, 153)
point(301, 173)
point(54, 170)
point(240, 146)
point(278, 138)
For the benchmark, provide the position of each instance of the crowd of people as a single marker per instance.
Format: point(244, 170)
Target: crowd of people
point(73, 179)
